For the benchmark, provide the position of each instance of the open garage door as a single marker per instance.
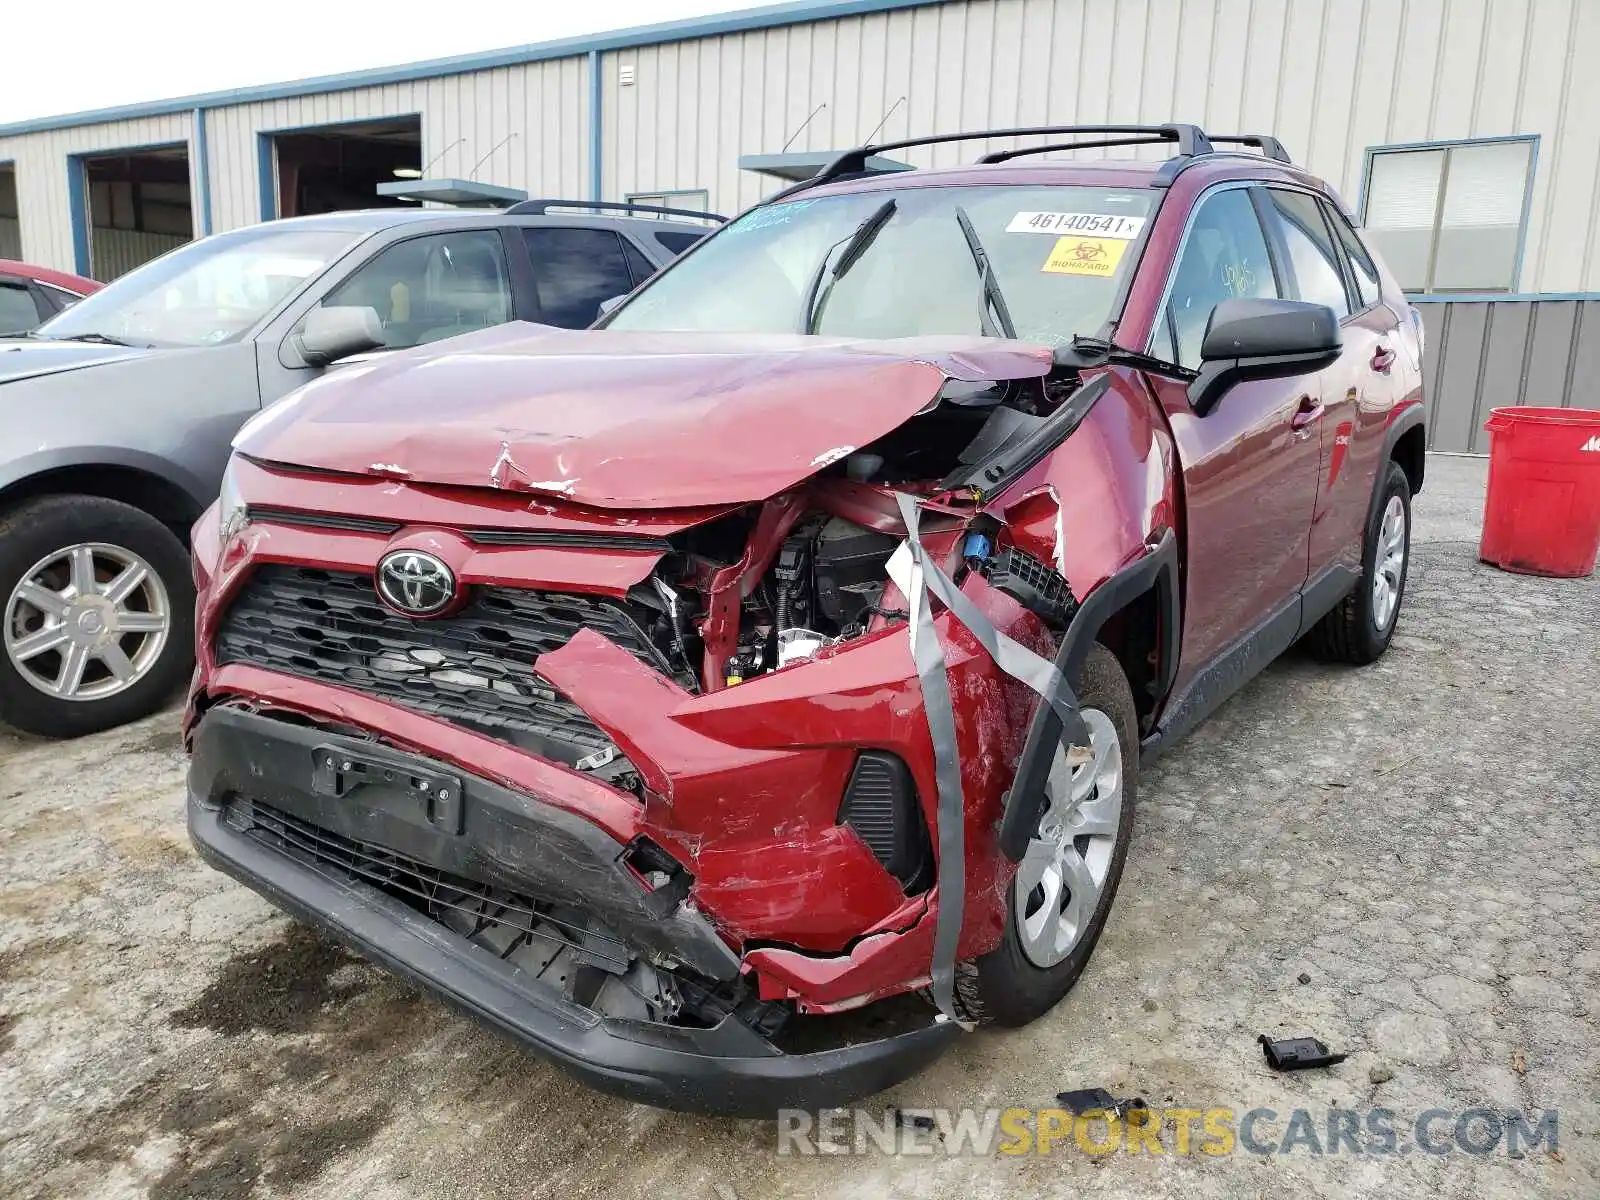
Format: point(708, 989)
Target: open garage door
point(333, 168)
point(139, 207)
point(10, 225)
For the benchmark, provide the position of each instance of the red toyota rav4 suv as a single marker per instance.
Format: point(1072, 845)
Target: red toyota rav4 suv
point(734, 702)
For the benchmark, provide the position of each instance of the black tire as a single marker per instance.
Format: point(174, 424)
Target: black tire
point(1004, 987)
point(36, 528)
point(1351, 633)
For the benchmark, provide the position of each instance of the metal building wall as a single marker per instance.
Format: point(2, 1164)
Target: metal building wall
point(1329, 77)
point(1481, 356)
point(545, 105)
point(41, 172)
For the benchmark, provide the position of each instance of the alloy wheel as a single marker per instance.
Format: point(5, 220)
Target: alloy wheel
point(1389, 565)
point(1060, 878)
point(87, 621)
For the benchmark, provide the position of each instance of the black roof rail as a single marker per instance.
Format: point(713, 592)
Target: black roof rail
point(539, 208)
point(1192, 143)
point(1000, 156)
point(1190, 139)
point(1269, 146)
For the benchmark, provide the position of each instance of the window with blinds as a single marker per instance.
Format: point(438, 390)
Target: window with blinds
point(1449, 218)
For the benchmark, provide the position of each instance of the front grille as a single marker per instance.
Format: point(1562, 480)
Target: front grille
point(474, 668)
point(316, 520)
point(499, 920)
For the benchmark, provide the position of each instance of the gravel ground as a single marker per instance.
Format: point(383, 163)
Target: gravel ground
point(1401, 860)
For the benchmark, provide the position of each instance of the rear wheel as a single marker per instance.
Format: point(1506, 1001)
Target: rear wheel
point(1358, 631)
point(1067, 880)
point(97, 627)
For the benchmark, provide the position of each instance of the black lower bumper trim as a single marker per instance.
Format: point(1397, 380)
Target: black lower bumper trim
point(692, 1070)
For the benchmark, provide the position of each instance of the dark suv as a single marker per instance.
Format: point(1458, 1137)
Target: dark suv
point(734, 702)
point(119, 412)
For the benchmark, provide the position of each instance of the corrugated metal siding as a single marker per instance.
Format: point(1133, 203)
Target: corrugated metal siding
point(545, 105)
point(1329, 77)
point(41, 167)
point(1483, 356)
point(114, 252)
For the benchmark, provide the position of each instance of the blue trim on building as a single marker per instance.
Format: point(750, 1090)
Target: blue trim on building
point(771, 16)
point(201, 171)
point(1498, 297)
point(597, 167)
point(78, 211)
point(266, 183)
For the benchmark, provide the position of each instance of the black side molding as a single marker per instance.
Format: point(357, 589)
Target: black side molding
point(1159, 570)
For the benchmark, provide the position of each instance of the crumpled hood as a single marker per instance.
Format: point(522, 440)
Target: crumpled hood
point(24, 358)
point(622, 420)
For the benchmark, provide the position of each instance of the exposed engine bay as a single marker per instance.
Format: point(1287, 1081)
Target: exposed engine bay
point(809, 569)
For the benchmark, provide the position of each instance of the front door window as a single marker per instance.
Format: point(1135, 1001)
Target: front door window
point(1224, 258)
point(428, 288)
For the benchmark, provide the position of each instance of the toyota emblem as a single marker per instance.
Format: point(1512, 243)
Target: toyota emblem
point(415, 583)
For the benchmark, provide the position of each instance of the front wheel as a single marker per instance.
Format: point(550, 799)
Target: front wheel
point(1067, 880)
point(98, 623)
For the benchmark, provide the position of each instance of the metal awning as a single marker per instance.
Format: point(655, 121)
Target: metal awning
point(806, 164)
point(462, 193)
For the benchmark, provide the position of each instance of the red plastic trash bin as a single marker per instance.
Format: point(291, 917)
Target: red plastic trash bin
point(1542, 514)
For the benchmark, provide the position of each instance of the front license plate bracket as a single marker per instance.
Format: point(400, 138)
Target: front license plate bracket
point(338, 772)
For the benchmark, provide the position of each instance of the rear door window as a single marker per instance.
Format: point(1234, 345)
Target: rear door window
point(640, 267)
point(677, 241)
point(1362, 268)
point(1224, 257)
point(1313, 258)
point(574, 270)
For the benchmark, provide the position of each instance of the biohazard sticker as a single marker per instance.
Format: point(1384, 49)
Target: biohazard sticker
point(1085, 256)
point(1106, 225)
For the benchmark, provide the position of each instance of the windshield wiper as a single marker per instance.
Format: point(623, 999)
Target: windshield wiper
point(103, 339)
point(1101, 350)
point(854, 247)
point(992, 296)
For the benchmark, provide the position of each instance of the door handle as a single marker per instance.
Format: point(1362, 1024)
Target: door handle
point(1310, 409)
point(1382, 359)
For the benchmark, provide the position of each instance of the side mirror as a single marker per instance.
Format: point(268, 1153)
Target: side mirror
point(336, 332)
point(607, 305)
point(1262, 339)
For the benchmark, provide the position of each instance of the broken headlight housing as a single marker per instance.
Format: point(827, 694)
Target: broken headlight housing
point(231, 511)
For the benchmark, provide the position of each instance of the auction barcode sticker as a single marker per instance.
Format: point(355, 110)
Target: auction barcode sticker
point(1110, 225)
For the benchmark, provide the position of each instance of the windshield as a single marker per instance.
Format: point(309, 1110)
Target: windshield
point(1036, 263)
point(202, 294)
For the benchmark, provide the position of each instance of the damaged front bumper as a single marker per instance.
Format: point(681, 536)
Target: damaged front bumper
point(363, 841)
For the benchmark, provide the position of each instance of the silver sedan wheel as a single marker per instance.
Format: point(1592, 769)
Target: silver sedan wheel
point(1059, 880)
point(87, 621)
point(1389, 564)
